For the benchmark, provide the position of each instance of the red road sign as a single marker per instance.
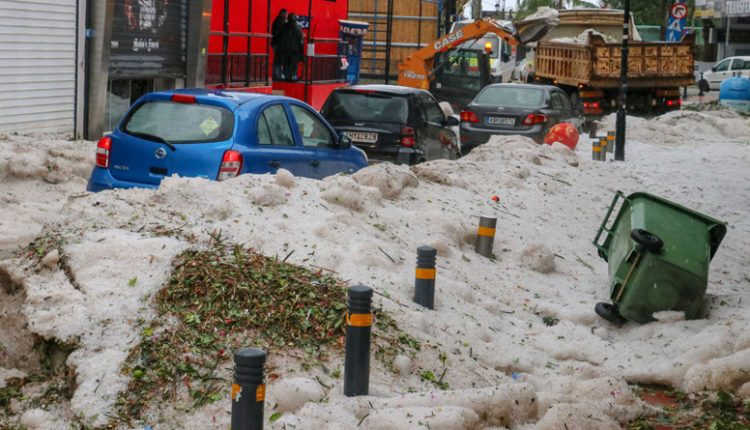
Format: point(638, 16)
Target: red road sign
point(679, 11)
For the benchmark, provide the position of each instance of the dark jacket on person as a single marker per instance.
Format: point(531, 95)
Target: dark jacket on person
point(290, 40)
point(276, 28)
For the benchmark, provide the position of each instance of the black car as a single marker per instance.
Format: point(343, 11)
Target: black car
point(393, 123)
point(520, 109)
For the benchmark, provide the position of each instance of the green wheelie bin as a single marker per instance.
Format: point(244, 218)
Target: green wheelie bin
point(658, 254)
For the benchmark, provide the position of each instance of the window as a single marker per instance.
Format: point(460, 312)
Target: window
point(739, 64)
point(314, 133)
point(180, 122)
point(723, 66)
point(273, 127)
point(555, 102)
point(565, 101)
point(365, 106)
point(431, 109)
point(510, 96)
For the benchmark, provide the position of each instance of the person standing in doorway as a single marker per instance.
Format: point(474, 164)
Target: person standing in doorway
point(290, 41)
point(278, 55)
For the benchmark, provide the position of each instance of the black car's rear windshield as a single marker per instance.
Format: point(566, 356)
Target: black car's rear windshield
point(522, 97)
point(366, 106)
point(181, 122)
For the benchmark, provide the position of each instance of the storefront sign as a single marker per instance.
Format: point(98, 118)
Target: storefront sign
point(149, 38)
point(738, 8)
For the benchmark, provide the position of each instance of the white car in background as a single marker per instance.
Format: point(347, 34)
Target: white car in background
point(726, 68)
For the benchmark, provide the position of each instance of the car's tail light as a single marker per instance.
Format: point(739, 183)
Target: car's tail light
point(102, 151)
point(231, 165)
point(183, 98)
point(469, 116)
point(408, 137)
point(591, 105)
point(534, 118)
point(675, 102)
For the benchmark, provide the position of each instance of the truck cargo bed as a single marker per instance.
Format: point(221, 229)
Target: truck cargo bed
point(597, 64)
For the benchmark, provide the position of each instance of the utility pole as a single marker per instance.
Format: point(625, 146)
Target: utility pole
point(621, 113)
point(476, 9)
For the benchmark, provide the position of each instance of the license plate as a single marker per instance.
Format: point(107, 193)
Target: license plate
point(500, 120)
point(362, 136)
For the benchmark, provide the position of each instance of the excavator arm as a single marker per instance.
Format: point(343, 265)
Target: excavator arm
point(417, 69)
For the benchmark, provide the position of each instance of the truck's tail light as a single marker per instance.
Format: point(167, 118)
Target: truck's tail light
point(592, 107)
point(534, 118)
point(408, 137)
point(102, 151)
point(674, 103)
point(231, 165)
point(469, 116)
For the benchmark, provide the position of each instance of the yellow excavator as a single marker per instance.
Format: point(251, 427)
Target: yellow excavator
point(454, 70)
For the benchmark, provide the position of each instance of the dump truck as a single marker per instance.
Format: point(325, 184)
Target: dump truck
point(587, 66)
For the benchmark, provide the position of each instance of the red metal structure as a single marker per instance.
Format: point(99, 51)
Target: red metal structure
point(240, 55)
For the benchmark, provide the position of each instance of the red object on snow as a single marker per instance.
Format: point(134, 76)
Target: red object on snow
point(495, 198)
point(565, 133)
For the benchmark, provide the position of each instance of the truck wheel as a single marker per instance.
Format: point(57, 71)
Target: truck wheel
point(610, 313)
point(649, 241)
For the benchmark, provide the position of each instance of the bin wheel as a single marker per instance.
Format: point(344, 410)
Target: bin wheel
point(610, 313)
point(649, 241)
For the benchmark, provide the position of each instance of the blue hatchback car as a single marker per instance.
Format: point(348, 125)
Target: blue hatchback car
point(219, 135)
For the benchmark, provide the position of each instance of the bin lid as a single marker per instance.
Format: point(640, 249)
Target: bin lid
point(716, 229)
point(736, 88)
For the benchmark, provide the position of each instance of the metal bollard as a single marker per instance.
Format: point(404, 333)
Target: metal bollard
point(248, 389)
point(485, 236)
point(358, 330)
point(603, 149)
point(611, 141)
point(596, 149)
point(424, 283)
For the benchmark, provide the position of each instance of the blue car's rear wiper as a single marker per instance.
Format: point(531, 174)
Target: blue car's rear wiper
point(153, 137)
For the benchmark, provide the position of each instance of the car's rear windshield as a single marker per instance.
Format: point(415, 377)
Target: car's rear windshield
point(511, 97)
point(180, 122)
point(366, 106)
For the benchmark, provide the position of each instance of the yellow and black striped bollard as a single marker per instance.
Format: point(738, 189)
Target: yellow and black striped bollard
point(596, 149)
point(603, 149)
point(485, 236)
point(611, 141)
point(424, 284)
point(358, 331)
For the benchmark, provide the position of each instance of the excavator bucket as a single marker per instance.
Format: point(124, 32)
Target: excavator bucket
point(535, 26)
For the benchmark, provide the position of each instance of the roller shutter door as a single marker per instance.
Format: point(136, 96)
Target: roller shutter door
point(37, 65)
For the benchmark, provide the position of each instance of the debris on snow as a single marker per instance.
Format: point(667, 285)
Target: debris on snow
point(344, 191)
point(292, 393)
point(389, 178)
point(285, 178)
point(538, 258)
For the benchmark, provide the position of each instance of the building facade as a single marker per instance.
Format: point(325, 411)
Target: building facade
point(75, 66)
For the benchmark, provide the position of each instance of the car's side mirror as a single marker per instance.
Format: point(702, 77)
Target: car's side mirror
point(345, 142)
point(451, 121)
point(713, 69)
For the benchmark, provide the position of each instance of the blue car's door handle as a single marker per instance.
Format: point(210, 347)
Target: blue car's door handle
point(275, 164)
point(315, 163)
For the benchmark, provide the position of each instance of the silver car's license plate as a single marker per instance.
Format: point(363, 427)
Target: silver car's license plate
point(362, 136)
point(500, 120)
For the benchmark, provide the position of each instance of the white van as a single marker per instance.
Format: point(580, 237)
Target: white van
point(503, 56)
point(726, 68)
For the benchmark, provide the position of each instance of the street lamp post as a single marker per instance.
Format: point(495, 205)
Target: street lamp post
point(623, 99)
